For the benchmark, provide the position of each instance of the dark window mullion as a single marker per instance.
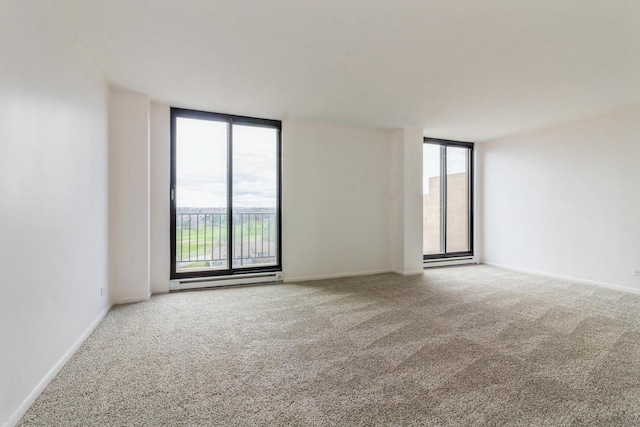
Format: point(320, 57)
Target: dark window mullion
point(278, 216)
point(172, 199)
point(443, 199)
point(230, 248)
point(470, 194)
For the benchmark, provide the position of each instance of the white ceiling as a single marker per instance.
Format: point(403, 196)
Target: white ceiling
point(468, 70)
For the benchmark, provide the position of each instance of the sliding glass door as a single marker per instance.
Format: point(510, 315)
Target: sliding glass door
point(225, 194)
point(447, 198)
point(255, 186)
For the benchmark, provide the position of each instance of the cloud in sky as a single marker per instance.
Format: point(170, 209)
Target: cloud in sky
point(201, 159)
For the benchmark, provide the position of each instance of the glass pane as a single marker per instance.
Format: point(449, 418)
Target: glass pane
point(201, 195)
point(457, 199)
point(431, 200)
point(255, 196)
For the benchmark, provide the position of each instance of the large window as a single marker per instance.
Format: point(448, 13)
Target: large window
point(447, 199)
point(225, 194)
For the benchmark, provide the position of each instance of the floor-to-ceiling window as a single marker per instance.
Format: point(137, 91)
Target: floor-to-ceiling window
point(447, 200)
point(225, 194)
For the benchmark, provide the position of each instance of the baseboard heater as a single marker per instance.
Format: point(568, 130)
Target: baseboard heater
point(444, 262)
point(235, 280)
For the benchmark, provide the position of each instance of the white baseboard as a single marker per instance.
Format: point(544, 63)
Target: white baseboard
point(24, 406)
point(336, 276)
point(130, 300)
point(567, 278)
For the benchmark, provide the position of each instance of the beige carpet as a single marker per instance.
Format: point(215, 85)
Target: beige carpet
point(455, 346)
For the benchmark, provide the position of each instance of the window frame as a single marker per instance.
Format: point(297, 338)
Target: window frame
point(444, 143)
point(230, 120)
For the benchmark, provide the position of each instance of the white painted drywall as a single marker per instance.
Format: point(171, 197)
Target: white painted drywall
point(478, 202)
point(129, 196)
point(160, 213)
point(335, 200)
point(53, 214)
point(412, 188)
point(405, 200)
point(396, 200)
point(462, 70)
point(564, 200)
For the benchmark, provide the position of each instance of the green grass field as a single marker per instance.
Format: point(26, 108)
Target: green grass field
point(199, 243)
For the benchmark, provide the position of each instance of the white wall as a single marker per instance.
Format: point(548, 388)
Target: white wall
point(160, 214)
point(54, 186)
point(565, 201)
point(129, 196)
point(478, 203)
point(335, 189)
point(405, 201)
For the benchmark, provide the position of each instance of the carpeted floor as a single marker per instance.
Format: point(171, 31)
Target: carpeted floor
point(456, 346)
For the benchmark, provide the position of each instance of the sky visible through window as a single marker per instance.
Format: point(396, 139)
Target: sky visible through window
point(456, 163)
point(201, 165)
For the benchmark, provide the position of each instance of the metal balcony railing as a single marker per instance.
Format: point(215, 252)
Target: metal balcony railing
point(201, 237)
